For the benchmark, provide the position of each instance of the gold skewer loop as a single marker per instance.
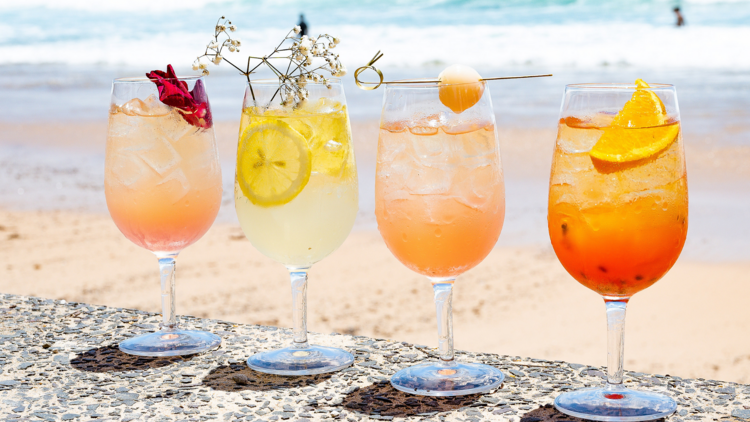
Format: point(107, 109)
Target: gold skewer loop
point(369, 65)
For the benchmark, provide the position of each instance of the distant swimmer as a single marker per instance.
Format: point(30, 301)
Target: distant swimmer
point(680, 19)
point(303, 25)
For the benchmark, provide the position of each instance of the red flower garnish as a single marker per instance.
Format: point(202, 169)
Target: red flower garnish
point(174, 93)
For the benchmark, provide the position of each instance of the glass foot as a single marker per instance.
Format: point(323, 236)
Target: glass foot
point(438, 379)
point(300, 361)
point(171, 343)
point(615, 403)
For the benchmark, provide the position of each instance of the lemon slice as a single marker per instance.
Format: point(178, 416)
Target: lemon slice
point(273, 163)
point(638, 131)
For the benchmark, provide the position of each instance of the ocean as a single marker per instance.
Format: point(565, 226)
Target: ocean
point(58, 57)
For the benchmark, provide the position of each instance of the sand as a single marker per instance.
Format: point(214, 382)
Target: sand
point(519, 301)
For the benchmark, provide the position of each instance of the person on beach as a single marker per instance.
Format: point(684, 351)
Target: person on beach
point(680, 19)
point(302, 25)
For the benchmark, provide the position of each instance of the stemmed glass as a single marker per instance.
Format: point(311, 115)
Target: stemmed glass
point(440, 205)
point(618, 209)
point(296, 197)
point(162, 181)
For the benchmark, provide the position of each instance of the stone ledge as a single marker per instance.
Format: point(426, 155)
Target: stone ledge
point(59, 362)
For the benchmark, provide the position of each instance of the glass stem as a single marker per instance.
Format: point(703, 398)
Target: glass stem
point(299, 303)
point(166, 272)
point(443, 289)
point(615, 340)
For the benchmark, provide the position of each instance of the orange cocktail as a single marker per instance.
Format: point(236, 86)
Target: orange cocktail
point(617, 218)
point(618, 226)
point(440, 202)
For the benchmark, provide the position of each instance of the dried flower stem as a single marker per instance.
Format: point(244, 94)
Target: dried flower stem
point(292, 82)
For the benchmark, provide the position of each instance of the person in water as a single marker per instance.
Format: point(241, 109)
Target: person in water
point(680, 19)
point(302, 25)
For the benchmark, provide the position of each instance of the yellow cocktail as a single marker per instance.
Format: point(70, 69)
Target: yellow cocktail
point(296, 199)
point(296, 186)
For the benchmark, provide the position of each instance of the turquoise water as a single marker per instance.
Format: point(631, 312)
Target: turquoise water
point(583, 33)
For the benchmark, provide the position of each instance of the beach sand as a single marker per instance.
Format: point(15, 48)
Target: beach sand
point(519, 301)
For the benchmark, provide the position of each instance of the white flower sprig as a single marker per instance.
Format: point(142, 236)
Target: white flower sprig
point(300, 54)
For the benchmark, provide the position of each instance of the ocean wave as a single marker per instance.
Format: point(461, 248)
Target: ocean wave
point(554, 46)
point(411, 34)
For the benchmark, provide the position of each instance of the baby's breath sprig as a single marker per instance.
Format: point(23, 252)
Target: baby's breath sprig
point(300, 54)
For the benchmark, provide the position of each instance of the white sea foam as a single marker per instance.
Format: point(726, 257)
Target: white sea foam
point(546, 33)
point(554, 46)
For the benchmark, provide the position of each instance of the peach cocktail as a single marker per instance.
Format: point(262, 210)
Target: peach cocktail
point(162, 181)
point(440, 205)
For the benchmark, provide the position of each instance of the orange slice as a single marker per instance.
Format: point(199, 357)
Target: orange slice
point(638, 131)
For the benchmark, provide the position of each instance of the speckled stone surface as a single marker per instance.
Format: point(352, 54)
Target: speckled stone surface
point(59, 362)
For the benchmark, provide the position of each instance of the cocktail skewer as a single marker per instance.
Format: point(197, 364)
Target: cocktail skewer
point(377, 57)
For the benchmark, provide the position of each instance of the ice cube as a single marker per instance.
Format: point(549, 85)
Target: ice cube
point(151, 107)
point(475, 187)
point(128, 169)
point(388, 151)
point(174, 127)
point(574, 140)
point(134, 107)
point(154, 107)
point(327, 105)
point(205, 163)
point(431, 149)
point(666, 168)
point(392, 194)
point(440, 209)
point(175, 186)
point(395, 168)
point(159, 154)
point(428, 181)
point(332, 146)
point(122, 126)
point(562, 178)
point(434, 120)
point(423, 130)
point(481, 144)
point(462, 126)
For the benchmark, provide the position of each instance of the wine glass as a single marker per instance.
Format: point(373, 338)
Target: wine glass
point(618, 210)
point(296, 198)
point(162, 181)
point(440, 205)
